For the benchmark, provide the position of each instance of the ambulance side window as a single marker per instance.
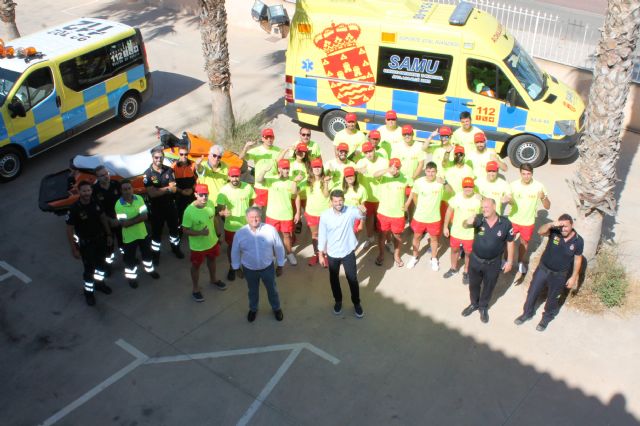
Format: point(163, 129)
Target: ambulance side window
point(487, 79)
point(37, 86)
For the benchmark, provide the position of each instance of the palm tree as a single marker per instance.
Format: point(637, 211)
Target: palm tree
point(595, 179)
point(213, 30)
point(8, 18)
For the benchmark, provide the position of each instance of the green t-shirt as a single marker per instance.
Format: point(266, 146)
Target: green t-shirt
point(213, 178)
point(410, 156)
point(391, 137)
point(125, 211)
point(460, 137)
point(367, 180)
point(197, 219)
point(463, 209)
point(299, 169)
point(355, 198)
point(479, 160)
point(317, 202)
point(314, 151)
point(354, 140)
point(392, 202)
point(334, 168)
point(280, 192)
point(454, 176)
point(495, 190)
point(263, 159)
point(524, 201)
point(429, 197)
point(237, 200)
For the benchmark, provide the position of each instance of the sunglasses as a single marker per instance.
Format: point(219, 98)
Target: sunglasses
point(305, 134)
point(216, 155)
point(183, 155)
point(158, 158)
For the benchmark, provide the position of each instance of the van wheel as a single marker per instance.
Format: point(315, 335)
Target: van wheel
point(129, 107)
point(11, 163)
point(526, 149)
point(333, 122)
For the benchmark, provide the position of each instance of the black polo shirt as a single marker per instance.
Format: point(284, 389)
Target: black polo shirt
point(85, 219)
point(107, 198)
point(489, 242)
point(159, 180)
point(559, 254)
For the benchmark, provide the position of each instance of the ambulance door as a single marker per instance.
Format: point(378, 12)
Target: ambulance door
point(494, 103)
point(35, 110)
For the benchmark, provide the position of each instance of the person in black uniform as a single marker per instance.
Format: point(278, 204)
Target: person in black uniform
point(184, 171)
point(160, 183)
point(559, 267)
point(87, 227)
point(107, 192)
point(492, 231)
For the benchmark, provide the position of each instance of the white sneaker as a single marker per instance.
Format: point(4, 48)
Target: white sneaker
point(292, 259)
point(522, 268)
point(435, 265)
point(412, 262)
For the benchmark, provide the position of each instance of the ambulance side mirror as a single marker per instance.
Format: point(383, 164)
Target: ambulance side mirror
point(511, 97)
point(16, 108)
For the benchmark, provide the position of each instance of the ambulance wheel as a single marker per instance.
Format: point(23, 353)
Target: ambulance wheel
point(333, 122)
point(129, 107)
point(11, 163)
point(526, 149)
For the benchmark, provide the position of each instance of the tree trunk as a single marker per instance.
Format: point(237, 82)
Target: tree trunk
point(8, 18)
point(595, 179)
point(213, 31)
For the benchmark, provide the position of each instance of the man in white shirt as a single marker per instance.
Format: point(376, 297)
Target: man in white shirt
point(254, 247)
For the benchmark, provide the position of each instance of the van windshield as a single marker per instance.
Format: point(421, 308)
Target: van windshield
point(7, 80)
point(526, 71)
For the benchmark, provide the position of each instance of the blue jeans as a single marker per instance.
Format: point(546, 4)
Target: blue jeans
point(268, 276)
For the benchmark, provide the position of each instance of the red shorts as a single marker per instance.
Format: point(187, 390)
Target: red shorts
point(197, 257)
point(526, 232)
point(356, 226)
point(372, 208)
point(394, 224)
point(443, 210)
point(281, 225)
point(228, 237)
point(466, 244)
point(262, 197)
point(433, 229)
point(407, 191)
point(312, 220)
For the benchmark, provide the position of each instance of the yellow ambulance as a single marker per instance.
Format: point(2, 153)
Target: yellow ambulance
point(64, 80)
point(429, 62)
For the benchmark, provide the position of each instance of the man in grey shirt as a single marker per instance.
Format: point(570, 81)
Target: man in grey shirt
point(254, 247)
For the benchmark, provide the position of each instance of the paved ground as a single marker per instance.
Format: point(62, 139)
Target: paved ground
point(412, 360)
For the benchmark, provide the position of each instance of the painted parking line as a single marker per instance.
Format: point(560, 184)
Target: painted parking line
point(13, 272)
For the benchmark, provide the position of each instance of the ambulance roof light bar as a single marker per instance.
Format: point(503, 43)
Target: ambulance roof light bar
point(461, 14)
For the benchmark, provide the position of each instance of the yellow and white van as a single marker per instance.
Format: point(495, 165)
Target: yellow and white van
point(64, 80)
point(429, 62)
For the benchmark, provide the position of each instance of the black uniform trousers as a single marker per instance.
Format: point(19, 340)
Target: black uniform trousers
point(130, 262)
point(182, 202)
point(555, 282)
point(93, 253)
point(350, 270)
point(161, 214)
point(483, 276)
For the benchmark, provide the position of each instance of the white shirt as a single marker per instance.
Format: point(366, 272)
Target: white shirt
point(255, 250)
point(335, 233)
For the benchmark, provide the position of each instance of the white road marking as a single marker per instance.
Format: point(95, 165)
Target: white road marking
point(167, 42)
point(13, 272)
point(69, 9)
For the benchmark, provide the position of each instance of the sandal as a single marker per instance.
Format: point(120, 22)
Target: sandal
point(379, 261)
point(399, 263)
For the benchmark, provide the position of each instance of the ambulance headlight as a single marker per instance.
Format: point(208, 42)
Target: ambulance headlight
point(568, 127)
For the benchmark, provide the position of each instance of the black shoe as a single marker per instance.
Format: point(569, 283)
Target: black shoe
point(133, 283)
point(154, 275)
point(220, 285)
point(197, 296)
point(359, 311)
point(251, 316)
point(176, 250)
point(542, 325)
point(298, 227)
point(278, 314)
point(156, 258)
point(484, 315)
point(469, 310)
point(337, 308)
point(521, 319)
point(231, 275)
point(107, 270)
point(90, 297)
point(103, 288)
point(465, 278)
point(451, 272)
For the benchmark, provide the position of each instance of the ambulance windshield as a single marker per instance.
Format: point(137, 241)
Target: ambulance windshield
point(7, 80)
point(526, 71)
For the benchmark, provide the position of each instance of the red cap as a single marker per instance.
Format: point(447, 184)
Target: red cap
point(479, 137)
point(350, 117)
point(284, 164)
point(302, 147)
point(468, 182)
point(407, 129)
point(445, 131)
point(267, 132)
point(343, 147)
point(316, 162)
point(201, 189)
point(391, 115)
point(395, 162)
point(367, 146)
point(349, 171)
point(374, 134)
point(234, 171)
point(458, 149)
point(492, 166)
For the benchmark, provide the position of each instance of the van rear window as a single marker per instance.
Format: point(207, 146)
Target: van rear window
point(413, 70)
